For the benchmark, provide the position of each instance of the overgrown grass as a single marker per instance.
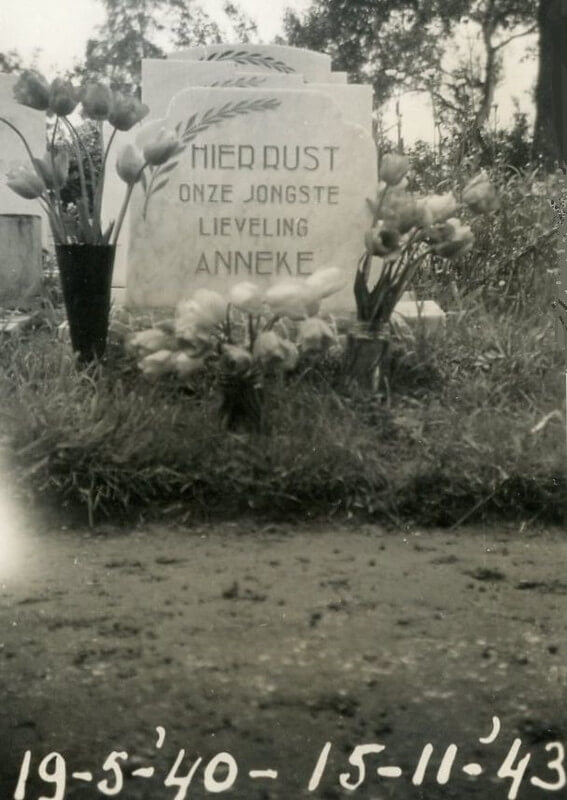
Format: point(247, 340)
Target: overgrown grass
point(451, 441)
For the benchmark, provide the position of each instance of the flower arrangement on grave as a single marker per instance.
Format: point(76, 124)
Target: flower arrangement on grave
point(85, 248)
point(405, 231)
point(245, 335)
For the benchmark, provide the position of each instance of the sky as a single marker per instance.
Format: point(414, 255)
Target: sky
point(55, 32)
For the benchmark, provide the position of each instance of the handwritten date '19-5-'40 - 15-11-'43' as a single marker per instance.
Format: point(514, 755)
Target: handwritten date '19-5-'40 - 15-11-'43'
point(221, 773)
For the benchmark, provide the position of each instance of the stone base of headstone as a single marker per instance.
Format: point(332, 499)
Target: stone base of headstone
point(20, 258)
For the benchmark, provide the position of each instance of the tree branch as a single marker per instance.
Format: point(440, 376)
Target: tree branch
point(531, 29)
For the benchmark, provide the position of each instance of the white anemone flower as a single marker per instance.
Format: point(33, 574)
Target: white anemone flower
point(325, 281)
point(292, 298)
point(315, 335)
point(150, 341)
point(247, 297)
point(157, 364)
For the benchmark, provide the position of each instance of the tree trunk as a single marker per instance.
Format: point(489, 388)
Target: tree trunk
point(552, 27)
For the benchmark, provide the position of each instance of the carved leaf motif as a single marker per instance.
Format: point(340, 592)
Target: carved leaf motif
point(193, 127)
point(247, 57)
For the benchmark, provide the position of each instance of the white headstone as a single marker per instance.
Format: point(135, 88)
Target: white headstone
point(162, 78)
point(264, 57)
point(23, 227)
point(276, 187)
point(13, 153)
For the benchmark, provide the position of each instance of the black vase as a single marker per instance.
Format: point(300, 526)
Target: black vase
point(86, 278)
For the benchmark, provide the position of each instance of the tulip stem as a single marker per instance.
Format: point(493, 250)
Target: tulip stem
point(57, 227)
point(100, 186)
point(251, 331)
point(85, 149)
point(22, 137)
point(56, 187)
point(379, 207)
point(149, 191)
point(227, 324)
point(122, 214)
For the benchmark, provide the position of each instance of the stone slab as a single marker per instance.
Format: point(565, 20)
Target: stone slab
point(264, 57)
point(31, 123)
point(163, 78)
point(422, 312)
point(20, 258)
point(275, 193)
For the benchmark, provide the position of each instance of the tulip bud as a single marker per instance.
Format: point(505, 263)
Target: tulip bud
point(97, 101)
point(440, 206)
point(457, 239)
point(315, 335)
point(268, 348)
point(157, 364)
point(125, 112)
point(212, 307)
point(290, 357)
point(400, 211)
point(53, 168)
point(63, 97)
point(236, 359)
point(130, 164)
point(160, 149)
point(195, 318)
point(423, 216)
point(393, 168)
point(32, 90)
point(247, 296)
point(382, 241)
point(186, 365)
point(480, 195)
point(150, 341)
point(26, 183)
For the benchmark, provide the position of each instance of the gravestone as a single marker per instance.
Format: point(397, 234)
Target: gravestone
point(274, 189)
point(266, 58)
point(278, 191)
point(22, 222)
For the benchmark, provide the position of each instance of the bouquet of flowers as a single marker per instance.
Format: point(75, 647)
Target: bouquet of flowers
point(406, 230)
point(44, 178)
point(246, 334)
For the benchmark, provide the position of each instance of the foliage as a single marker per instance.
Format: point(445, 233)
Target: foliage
point(472, 429)
point(514, 262)
point(10, 62)
point(401, 44)
point(138, 29)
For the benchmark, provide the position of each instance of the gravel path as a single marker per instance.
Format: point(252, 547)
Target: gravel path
point(267, 643)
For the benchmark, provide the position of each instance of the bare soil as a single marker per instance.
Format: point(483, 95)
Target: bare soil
point(268, 642)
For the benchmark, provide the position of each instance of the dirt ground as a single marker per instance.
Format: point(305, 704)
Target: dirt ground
point(268, 642)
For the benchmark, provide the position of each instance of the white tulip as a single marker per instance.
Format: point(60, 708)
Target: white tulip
point(236, 358)
point(150, 341)
point(269, 348)
point(185, 366)
point(290, 298)
point(325, 282)
point(315, 335)
point(441, 206)
point(157, 364)
point(247, 296)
